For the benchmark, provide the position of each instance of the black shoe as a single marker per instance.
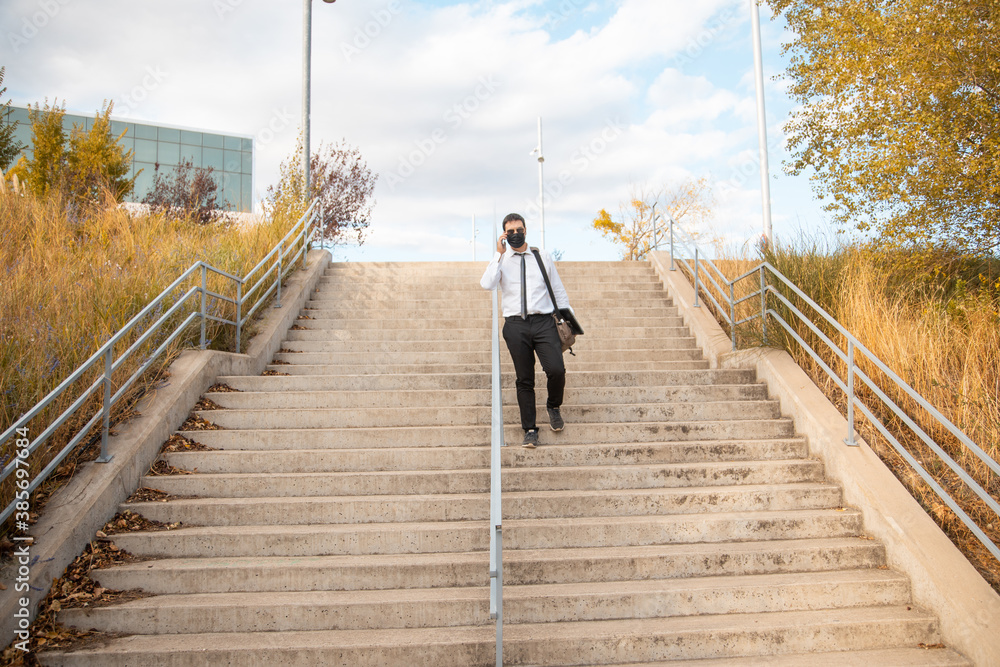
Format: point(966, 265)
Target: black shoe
point(531, 438)
point(555, 419)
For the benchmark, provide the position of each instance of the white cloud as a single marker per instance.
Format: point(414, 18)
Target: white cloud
point(404, 81)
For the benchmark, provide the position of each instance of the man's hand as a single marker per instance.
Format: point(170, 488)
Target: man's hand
point(502, 243)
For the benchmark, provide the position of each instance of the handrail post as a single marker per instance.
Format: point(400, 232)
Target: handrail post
point(672, 268)
point(239, 316)
point(204, 302)
point(106, 417)
point(696, 277)
point(732, 314)
point(850, 441)
point(307, 234)
point(656, 235)
point(498, 532)
point(496, 502)
point(763, 305)
point(277, 298)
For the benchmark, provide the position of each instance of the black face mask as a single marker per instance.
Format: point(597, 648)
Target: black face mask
point(515, 239)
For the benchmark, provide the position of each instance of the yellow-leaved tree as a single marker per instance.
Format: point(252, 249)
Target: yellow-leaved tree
point(899, 117)
point(639, 226)
point(86, 166)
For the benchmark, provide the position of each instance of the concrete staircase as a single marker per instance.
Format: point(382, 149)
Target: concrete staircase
point(342, 518)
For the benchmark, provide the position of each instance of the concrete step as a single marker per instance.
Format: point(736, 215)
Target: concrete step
point(475, 507)
point(437, 436)
point(444, 607)
point(321, 329)
point(479, 305)
point(454, 270)
point(454, 458)
point(474, 415)
point(505, 367)
point(454, 319)
point(448, 381)
point(301, 344)
point(592, 315)
point(931, 656)
point(429, 302)
point(548, 478)
point(521, 567)
point(430, 287)
point(602, 642)
point(274, 400)
point(382, 538)
point(481, 357)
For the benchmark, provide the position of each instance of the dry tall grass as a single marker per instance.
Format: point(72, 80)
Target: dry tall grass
point(72, 278)
point(938, 330)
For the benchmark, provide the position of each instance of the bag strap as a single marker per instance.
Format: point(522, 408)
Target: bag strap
point(552, 295)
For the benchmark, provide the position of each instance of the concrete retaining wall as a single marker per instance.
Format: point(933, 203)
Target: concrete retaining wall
point(92, 497)
point(942, 578)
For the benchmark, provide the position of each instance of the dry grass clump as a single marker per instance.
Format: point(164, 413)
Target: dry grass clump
point(937, 326)
point(70, 278)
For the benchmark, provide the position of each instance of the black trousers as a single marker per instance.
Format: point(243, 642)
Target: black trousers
point(525, 339)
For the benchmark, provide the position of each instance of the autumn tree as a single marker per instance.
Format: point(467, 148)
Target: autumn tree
point(46, 167)
point(9, 146)
point(899, 123)
point(190, 192)
point(96, 162)
point(341, 181)
point(639, 224)
point(85, 165)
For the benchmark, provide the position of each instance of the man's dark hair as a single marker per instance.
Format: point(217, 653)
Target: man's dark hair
point(511, 217)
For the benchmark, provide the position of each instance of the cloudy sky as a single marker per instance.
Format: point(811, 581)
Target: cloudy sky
point(442, 97)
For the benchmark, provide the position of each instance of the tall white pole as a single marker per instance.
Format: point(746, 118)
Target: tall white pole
point(306, 84)
point(541, 182)
point(765, 184)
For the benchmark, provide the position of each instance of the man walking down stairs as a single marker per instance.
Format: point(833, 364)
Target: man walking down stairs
point(340, 514)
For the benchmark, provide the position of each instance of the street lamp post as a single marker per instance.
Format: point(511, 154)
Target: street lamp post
point(307, 85)
point(758, 61)
point(541, 181)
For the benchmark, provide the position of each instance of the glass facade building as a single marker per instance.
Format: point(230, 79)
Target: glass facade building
point(162, 147)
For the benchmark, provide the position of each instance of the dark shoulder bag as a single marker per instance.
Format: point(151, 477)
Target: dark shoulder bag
point(563, 317)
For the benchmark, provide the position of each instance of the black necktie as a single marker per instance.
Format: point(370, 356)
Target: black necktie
point(524, 291)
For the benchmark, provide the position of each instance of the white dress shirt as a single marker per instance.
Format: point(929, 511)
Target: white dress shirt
point(505, 270)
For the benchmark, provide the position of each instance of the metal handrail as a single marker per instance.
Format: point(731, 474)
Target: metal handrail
point(281, 267)
point(496, 442)
point(774, 284)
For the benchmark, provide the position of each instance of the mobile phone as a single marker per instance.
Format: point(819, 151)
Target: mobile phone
point(503, 242)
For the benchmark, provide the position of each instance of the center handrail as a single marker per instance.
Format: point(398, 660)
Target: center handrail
point(684, 251)
point(496, 442)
